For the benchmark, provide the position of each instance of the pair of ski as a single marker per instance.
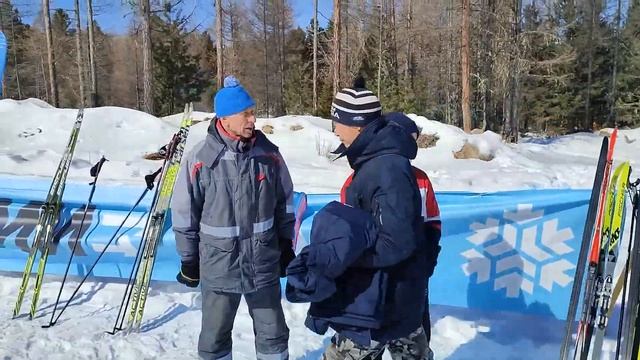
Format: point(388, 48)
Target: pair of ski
point(137, 289)
point(601, 241)
point(47, 223)
point(49, 218)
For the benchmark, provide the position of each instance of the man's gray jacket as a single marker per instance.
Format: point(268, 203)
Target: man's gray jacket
point(232, 206)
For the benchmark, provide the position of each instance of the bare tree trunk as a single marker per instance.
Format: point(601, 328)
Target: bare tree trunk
point(345, 64)
point(381, 8)
point(147, 60)
point(612, 119)
point(394, 41)
point(449, 114)
point(79, 52)
point(466, 68)
point(337, 24)
point(487, 112)
point(315, 57)
point(587, 105)
point(15, 60)
point(93, 98)
point(44, 79)
point(515, 79)
point(442, 66)
point(53, 80)
point(408, 74)
point(280, 34)
point(37, 79)
point(219, 43)
point(232, 27)
point(136, 49)
point(363, 36)
point(484, 106)
point(4, 89)
point(266, 58)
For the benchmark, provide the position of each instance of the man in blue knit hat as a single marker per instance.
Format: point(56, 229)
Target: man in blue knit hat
point(233, 220)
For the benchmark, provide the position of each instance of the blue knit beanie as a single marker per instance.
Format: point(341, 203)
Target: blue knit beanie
point(232, 98)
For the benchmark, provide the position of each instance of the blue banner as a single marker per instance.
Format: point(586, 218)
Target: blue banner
point(3, 58)
point(511, 251)
point(506, 251)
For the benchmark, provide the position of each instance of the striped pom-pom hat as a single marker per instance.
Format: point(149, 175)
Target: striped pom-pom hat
point(355, 107)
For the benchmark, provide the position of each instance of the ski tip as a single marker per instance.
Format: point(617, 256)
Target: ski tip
point(113, 332)
point(613, 136)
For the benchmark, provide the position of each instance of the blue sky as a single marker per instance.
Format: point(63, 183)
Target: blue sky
point(114, 16)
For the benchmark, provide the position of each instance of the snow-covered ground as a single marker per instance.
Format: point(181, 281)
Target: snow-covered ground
point(34, 134)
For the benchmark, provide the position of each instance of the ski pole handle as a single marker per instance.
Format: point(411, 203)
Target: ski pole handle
point(151, 178)
point(95, 169)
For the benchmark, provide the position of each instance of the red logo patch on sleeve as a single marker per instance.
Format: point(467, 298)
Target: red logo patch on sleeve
point(195, 168)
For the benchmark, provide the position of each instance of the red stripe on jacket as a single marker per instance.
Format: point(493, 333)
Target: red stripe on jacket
point(430, 210)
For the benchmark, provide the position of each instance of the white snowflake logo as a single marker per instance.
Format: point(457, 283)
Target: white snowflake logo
point(515, 248)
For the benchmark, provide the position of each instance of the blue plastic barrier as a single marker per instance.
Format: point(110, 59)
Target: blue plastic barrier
point(513, 251)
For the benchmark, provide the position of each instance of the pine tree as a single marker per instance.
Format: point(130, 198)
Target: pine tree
point(65, 58)
point(590, 39)
point(104, 67)
point(177, 77)
point(628, 104)
point(298, 76)
point(203, 45)
point(17, 79)
point(547, 100)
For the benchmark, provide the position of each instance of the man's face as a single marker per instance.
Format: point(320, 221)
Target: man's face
point(241, 124)
point(346, 134)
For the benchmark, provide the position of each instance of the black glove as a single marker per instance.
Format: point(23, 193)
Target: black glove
point(189, 274)
point(433, 248)
point(434, 261)
point(286, 255)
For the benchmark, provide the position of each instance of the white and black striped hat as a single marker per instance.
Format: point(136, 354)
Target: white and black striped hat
point(355, 107)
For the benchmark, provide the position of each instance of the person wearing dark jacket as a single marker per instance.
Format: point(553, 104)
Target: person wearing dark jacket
point(233, 220)
point(430, 211)
point(380, 300)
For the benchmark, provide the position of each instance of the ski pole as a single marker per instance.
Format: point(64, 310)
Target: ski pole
point(150, 179)
point(95, 263)
point(94, 172)
point(634, 197)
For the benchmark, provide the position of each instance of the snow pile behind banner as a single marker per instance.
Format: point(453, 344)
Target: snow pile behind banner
point(505, 251)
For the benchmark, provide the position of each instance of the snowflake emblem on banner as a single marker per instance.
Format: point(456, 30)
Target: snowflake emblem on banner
point(519, 252)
